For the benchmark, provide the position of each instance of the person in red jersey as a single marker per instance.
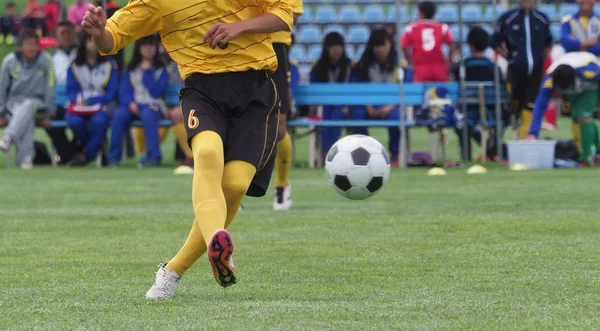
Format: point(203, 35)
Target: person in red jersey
point(422, 42)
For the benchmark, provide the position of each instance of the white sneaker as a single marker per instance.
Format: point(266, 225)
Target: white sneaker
point(283, 198)
point(164, 285)
point(5, 143)
point(27, 164)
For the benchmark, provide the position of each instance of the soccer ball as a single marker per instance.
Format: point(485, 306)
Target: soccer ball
point(357, 167)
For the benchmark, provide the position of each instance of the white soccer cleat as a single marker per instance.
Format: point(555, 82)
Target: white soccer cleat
point(283, 198)
point(27, 164)
point(5, 143)
point(164, 285)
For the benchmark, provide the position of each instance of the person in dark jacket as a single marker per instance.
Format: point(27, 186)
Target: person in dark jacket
point(523, 37)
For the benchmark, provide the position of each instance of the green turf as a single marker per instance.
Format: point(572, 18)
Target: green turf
point(504, 250)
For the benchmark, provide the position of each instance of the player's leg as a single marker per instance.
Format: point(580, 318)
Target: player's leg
point(22, 117)
point(330, 135)
point(174, 115)
point(530, 87)
point(78, 126)
point(582, 110)
point(359, 113)
point(283, 159)
point(24, 114)
point(119, 126)
point(150, 117)
point(139, 141)
point(394, 134)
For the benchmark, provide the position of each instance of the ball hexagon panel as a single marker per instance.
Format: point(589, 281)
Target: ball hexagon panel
point(359, 176)
point(379, 165)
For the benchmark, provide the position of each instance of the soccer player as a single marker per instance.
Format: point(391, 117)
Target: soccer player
point(523, 38)
point(283, 159)
point(26, 85)
point(422, 42)
point(576, 76)
point(229, 106)
point(579, 33)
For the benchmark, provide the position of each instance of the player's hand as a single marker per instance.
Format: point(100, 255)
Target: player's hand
point(221, 33)
point(134, 108)
point(94, 21)
point(531, 137)
point(45, 122)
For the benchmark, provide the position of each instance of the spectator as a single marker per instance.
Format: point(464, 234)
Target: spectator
point(11, 24)
point(379, 64)
point(477, 68)
point(51, 15)
point(92, 83)
point(65, 54)
point(142, 87)
point(523, 38)
point(423, 40)
point(26, 86)
point(33, 17)
point(76, 13)
point(333, 67)
point(579, 33)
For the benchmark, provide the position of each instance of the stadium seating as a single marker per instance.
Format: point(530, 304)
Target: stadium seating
point(325, 14)
point(314, 53)
point(374, 14)
point(567, 9)
point(334, 28)
point(350, 52)
point(489, 28)
point(359, 51)
point(550, 11)
point(447, 13)
point(456, 32)
point(392, 14)
point(307, 16)
point(309, 34)
point(490, 15)
point(358, 34)
point(298, 53)
point(349, 14)
point(471, 13)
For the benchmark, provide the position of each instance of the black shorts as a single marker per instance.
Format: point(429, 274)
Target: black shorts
point(523, 88)
point(241, 107)
point(281, 77)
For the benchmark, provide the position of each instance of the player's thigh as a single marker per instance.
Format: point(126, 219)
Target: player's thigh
point(199, 114)
point(174, 115)
point(282, 126)
point(583, 106)
point(530, 89)
point(252, 135)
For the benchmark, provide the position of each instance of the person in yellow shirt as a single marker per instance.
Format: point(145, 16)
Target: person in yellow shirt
point(229, 104)
point(283, 161)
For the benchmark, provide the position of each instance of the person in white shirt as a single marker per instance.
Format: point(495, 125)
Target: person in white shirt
point(62, 58)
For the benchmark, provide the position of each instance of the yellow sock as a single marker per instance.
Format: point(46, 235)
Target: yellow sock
point(140, 141)
point(576, 135)
point(207, 193)
point(191, 251)
point(283, 161)
point(237, 177)
point(182, 140)
point(163, 133)
point(525, 117)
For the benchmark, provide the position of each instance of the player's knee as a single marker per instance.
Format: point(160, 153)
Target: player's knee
point(175, 115)
point(235, 187)
point(206, 150)
point(281, 130)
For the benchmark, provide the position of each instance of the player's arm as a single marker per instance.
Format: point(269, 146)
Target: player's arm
point(50, 97)
point(541, 104)
point(277, 16)
point(138, 19)
point(4, 82)
point(406, 44)
point(569, 43)
point(73, 86)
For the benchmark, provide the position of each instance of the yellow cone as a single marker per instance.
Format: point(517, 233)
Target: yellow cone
point(519, 167)
point(476, 169)
point(436, 172)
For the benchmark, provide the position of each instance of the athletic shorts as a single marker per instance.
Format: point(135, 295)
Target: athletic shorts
point(431, 73)
point(583, 105)
point(523, 88)
point(241, 107)
point(281, 77)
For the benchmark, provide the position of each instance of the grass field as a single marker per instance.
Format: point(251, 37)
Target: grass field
point(504, 250)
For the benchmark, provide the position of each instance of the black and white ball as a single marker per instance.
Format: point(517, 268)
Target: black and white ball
point(357, 167)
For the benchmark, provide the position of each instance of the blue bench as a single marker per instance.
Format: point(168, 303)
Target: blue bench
point(482, 94)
